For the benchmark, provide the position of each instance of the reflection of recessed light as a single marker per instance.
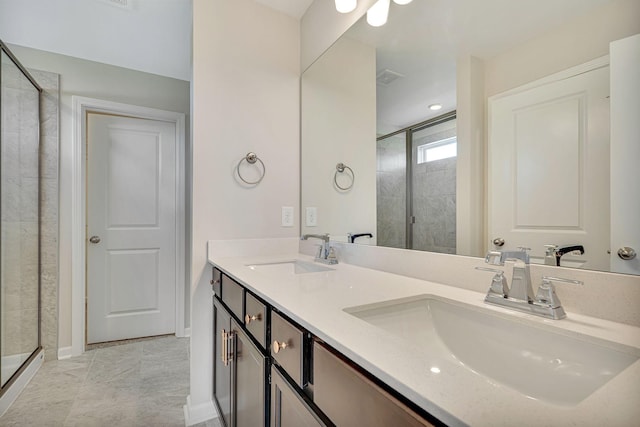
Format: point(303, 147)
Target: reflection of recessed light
point(435, 107)
point(435, 370)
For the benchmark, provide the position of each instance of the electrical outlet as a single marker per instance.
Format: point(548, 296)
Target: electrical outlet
point(287, 216)
point(311, 216)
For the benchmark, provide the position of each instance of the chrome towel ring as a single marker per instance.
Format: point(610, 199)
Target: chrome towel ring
point(340, 168)
point(251, 158)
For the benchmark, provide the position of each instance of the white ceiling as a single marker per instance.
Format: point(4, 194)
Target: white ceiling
point(153, 36)
point(147, 35)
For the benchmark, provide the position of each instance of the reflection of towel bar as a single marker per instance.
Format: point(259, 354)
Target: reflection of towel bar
point(251, 158)
point(340, 168)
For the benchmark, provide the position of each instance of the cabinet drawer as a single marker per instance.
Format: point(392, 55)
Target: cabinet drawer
point(216, 281)
point(287, 347)
point(255, 318)
point(233, 295)
point(349, 398)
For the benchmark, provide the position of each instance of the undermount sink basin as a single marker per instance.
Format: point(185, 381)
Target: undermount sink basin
point(538, 362)
point(289, 267)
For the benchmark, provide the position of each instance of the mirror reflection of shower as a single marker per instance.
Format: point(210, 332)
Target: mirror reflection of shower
point(19, 219)
point(416, 186)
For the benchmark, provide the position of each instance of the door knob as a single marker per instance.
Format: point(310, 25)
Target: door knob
point(498, 241)
point(94, 239)
point(626, 253)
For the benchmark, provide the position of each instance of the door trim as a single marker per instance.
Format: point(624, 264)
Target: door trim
point(80, 107)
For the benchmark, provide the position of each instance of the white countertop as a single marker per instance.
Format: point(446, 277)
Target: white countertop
point(455, 395)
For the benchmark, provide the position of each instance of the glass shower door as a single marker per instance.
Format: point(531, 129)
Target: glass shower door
point(433, 175)
point(19, 219)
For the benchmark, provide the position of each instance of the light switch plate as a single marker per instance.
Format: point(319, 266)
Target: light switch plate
point(287, 216)
point(311, 216)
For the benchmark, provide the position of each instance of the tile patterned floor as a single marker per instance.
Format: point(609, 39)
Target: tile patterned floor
point(136, 384)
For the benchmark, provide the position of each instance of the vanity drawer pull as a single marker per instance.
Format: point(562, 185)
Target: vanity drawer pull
point(256, 319)
point(287, 336)
point(249, 318)
point(278, 346)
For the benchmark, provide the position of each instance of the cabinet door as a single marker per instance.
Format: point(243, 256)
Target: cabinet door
point(348, 398)
point(249, 381)
point(221, 373)
point(287, 407)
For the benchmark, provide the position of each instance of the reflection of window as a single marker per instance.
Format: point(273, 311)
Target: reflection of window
point(438, 150)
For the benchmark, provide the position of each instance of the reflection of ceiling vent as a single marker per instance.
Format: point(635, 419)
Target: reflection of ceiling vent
point(386, 77)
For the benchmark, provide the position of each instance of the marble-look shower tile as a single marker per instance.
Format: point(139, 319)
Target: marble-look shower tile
point(10, 154)
point(11, 198)
point(49, 157)
point(49, 113)
point(10, 113)
point(29, 189)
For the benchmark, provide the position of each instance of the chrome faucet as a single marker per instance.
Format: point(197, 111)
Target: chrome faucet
point(520, 296)
point(326, 253)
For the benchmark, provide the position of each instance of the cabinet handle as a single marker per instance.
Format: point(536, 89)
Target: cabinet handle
point(223, 346)
point(214, 282)
point(278, 346)
point(248, 318)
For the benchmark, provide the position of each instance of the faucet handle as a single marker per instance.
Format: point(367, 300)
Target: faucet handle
point(498, 283)
point(493, 258)
point(546, 293)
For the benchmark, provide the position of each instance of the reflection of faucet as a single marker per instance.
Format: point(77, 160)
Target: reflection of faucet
point(520, 297)
point(326, 254)
point(352, 237)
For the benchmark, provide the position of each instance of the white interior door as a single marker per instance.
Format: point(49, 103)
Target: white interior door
point(625, 152)
point(549, 168)
point(131, 270)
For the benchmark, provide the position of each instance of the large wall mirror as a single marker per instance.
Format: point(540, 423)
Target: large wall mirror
point(517, 155)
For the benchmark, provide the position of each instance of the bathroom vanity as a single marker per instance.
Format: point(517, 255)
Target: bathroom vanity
point(330, 343)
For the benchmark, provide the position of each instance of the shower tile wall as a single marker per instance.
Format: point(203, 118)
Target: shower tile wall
point(19, 242)
point(20, 311)
point(49, 134)
point(391, 192)
point(434, 196)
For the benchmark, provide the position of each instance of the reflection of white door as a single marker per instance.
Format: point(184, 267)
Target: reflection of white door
point(625, 152)
point(131, 183)
point(549, 167)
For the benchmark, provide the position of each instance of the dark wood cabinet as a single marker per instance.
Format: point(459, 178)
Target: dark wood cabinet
point(288, 408)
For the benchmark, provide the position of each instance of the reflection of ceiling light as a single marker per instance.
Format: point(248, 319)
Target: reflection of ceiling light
point(378, 13)
point(345, 6)
point(435, 107)
point(435, 370)
point(402, 1)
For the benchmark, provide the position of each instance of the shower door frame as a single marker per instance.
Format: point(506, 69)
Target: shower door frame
point(36, 353)
point(409, 131)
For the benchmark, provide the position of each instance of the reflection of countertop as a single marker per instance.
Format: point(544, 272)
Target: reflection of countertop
point(455, 395)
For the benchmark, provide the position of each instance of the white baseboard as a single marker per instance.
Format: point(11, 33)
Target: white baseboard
point(64, 353)
point(194, 414)
point(21, 382)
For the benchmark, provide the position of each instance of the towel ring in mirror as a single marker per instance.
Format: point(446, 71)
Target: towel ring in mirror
point(340, 168)
point(251, 158)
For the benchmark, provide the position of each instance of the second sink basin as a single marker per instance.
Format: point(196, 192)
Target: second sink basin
point(538, 362)
point(289, 267)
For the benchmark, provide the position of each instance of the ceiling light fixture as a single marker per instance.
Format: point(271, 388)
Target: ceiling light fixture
point(402, 2)
point(346, 6)
point(378, 13)
point(435, 107)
